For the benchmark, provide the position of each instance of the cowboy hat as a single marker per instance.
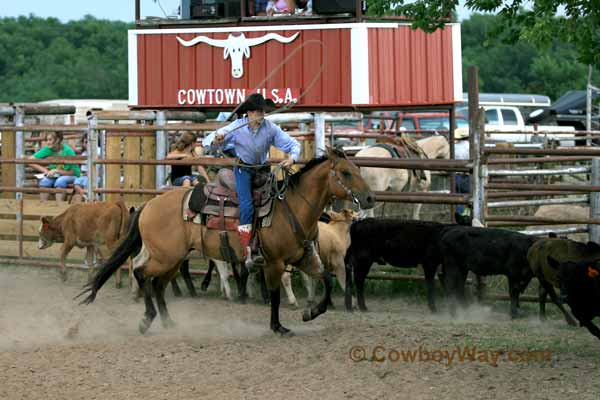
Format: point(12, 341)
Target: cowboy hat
point(256, 102)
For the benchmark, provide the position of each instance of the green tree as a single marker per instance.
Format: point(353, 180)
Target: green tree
point(520, 67)
point(42, 59)
point(576, 22)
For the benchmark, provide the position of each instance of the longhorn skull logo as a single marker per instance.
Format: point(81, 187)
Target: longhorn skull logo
point(237, 47)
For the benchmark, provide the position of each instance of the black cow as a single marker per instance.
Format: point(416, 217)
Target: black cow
point(401, 243)
point(562, 250)
point(580, 287)
point(485, 251)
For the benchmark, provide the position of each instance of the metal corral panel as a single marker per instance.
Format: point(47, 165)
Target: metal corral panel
point(333, 65)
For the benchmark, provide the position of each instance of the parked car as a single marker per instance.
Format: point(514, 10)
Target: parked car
point(418, 121)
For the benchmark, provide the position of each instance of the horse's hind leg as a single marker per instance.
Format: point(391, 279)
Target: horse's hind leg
point(185, 274)
point(207, 278)
point(159, 284)
point(175, 287)
point(147, 290)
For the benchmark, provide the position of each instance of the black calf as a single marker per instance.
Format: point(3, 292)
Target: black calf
point(400, 243)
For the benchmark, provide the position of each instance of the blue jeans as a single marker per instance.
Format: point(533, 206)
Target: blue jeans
point(60, 182)
point(463, 185)
point(243, 181)
point(179, 181)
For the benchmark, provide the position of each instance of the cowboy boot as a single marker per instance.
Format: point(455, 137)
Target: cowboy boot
point(252, 261)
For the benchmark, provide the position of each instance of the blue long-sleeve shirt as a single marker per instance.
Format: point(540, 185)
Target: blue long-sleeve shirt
point(253, 147)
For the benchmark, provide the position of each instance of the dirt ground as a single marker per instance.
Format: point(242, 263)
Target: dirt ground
point(224, 350)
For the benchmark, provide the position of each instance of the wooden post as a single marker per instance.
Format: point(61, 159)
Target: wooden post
point(476, 127)
point(593, 229)
point(452, 177)
point(137, 11)
point(132, 172)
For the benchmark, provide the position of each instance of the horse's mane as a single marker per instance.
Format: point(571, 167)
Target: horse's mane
point(295, 178)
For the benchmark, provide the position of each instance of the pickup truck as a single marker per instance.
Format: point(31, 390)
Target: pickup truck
point(510, 119)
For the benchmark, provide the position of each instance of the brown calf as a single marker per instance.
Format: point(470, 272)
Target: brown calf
point(88, 225)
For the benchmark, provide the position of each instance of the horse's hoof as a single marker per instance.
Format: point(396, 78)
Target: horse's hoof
point(204, 287)
point(63, 276)
point(571, 322)
point(144, 325)
point(284, 332)
point(168, 323)
point(307, 315)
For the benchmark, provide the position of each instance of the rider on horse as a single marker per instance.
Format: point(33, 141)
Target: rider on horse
point(251, 138)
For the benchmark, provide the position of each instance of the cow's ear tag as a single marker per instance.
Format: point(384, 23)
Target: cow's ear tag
point(592, 273)
point(45, 226)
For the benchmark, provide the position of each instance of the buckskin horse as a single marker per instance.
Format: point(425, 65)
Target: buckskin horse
point(166, 238)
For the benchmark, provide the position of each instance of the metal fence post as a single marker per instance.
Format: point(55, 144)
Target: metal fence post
point(19, 150)
point(161, 149)
point(319, 134)
point(92, 148)
point(19, 173)
point(594, 229)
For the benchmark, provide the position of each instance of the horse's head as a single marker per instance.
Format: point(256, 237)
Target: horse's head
point(345, 181)
point(345, 215)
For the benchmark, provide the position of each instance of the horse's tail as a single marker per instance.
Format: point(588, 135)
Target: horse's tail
point(131, 242)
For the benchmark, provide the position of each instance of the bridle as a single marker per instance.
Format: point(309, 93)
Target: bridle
point(340, 182)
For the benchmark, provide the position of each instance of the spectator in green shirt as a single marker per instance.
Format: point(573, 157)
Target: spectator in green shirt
point(55, 176)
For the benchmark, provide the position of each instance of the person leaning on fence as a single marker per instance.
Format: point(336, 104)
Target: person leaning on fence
point(55, 176)
point(185, 148)
point(251, 138)
point(462, 181)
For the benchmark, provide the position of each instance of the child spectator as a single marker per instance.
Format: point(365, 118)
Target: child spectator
point(80, 185)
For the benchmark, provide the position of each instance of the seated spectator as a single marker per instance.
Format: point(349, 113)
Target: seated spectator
point(185, 147)
point(258, 7)
point(80, 185)
point(275, 7)
point(55, 176)
point(304, 7)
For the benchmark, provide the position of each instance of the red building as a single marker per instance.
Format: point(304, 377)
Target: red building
point(334, 65)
